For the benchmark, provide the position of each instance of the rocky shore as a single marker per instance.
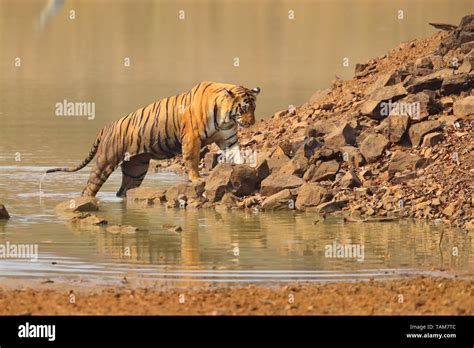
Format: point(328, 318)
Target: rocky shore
point(395, 141)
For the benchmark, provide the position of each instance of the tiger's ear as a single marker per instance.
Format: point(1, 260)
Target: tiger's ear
point(255, 90)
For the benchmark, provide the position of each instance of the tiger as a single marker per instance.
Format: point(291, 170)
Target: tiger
point(209, 113)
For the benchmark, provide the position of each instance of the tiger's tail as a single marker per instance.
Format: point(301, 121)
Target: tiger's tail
point(86, 161)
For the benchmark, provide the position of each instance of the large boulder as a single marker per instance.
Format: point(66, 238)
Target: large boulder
point(394, 127)
point(278, 159)
point(240, 180)
point(296, 166)
point(431, 81)
point(464, 107)
point(323, 171)
point(217, 183)
point(402, 161)
point(306, 147)
point(350, 180)
point(277, 182)
point(375, 105)
point(341, 136)
point(418, 106)
point(382, 81)
point(211, 159)
point(373, 146)
point(456, 84)
point(3, 213)
point(282, 200)
point(185, 190)
point(77, 205)
point(243, 180)
point(262, 169)
point(311, 195)
point(417, 131)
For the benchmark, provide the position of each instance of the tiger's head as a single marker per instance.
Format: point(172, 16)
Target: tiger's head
point(241, 103)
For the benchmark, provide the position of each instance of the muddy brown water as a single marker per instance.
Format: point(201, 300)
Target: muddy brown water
point(82, 60)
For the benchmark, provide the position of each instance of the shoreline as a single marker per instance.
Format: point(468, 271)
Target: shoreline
point(421, 295)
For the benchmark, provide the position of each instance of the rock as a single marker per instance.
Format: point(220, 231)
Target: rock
point(468, 64)
point(402, 161)
point(145, 194)
point(371, 108)
point(262, 170)
point(122, 229)
point(186, 190)
point(77, 204)
point(239, 179)
point(218, 182)
point(322, 127)
point(380, 98)
point(172, 228)
point(350, 180)
point(341, 136)
point(373, 146)
point(296, 166)
point(331, 207)
point(417, 131)
point(386, 93)
point(458, 37)
point(352, 155)
point(400, 178)
point(277, 159)
point(456, 84)
point(382, 81)
point(395, 127)
point(3, 213)
point(424, 63)
point(228, 201)
point(443, 26)
point(306, 147)
point(325, 171)
point(243, 180)
point(211, 159)
point(450, 209)
point(418, 106)
point(464, 107)
point(311, 195)
point(282, 200)
point(88, 219)
point(432, 139)
point(431, 81)
point(276, 183)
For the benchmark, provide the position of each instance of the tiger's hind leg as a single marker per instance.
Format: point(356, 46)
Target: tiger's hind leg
point(99, 174)
point(133, 173)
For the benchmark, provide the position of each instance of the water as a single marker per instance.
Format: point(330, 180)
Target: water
point(82, 59)
point(214, 246)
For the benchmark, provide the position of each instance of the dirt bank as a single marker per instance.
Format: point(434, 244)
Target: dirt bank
point(418, 296)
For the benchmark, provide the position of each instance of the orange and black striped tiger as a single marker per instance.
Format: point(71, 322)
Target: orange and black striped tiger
point(209, 113)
